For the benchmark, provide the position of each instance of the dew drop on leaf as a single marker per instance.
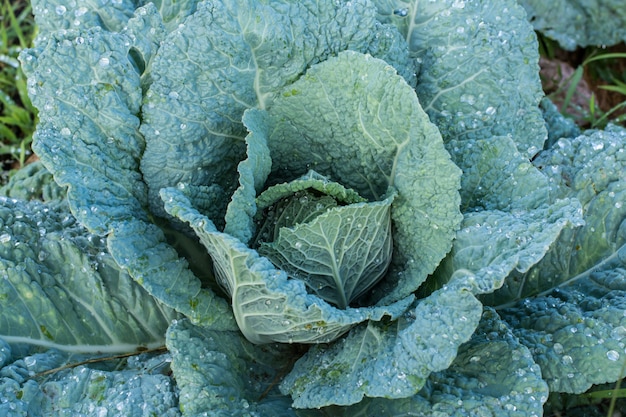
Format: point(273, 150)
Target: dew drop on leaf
point(612, 355)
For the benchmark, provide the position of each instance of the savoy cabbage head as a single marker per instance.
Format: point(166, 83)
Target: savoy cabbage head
point(319, 208)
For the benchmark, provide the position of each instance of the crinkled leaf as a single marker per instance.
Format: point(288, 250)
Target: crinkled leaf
point(313, 181)
point(558, 125)
point(33, 182)
point(140, 387)
point(577, 23)
point(267, 305)
point(87, 134)
point(253, 173)
point(478, 74)
point(88, 137)
point(390, 360)
point(493, 375)
point(51, 15)
point(341, 254)
point(577, 333)
point(225, 375)
point(575, 324)
point(61, 288)
point(512, 219)
point(352, 119)
point(592, 169)
point(495, 245)
point(497, 177)
point(230, 56)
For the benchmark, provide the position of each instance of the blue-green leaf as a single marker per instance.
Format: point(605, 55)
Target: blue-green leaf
point(478, 75)
point(576, 23)
point(60, 288)
point(223, 374)
point(571, 304)
point(230, 56)
point(389, 360)
point(267, 305)
point(354, 120)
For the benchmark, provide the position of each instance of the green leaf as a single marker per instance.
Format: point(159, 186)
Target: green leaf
point(33, 182)
point(478, 74)
point(224, 374)
point(341, 254)
point(354, 120)
point(571, 304)
point(493, 374)
point(390, 360)
point(51, 15)
point(575, 23)
point(231, 56)
point(253, 173)
point(62, 289)
point(497, 177)
point(139, 386)
point(267, 305)
point(88, 137)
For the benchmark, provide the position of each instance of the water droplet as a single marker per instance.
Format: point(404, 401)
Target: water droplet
point(490, 111)
point(104, 61)
point(60, 10)
point(558, 348)
point(597, 145)
point(618, 204)
point(5, 238)
point(173, 95)
point(618, 333)
point(80, 11)
point(298, 245)
point(66, 131)
point(401, 12)
point(183, 126)
point(458, 4)
point(612, 355)
point(567, 360)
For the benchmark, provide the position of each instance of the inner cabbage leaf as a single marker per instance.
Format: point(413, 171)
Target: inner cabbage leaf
point(341, 253)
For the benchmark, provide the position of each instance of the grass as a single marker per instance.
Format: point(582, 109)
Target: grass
point(590, 87)
point(17, 115)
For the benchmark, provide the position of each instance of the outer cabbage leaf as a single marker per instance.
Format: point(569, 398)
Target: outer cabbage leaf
point(478, 74)
point(512, 217)
point(232, 55)
point(576, 23)
point(253, 173)
point(33, 182)
point(493, 375)
point(140, 387)
point(352, 119)
point(390, 360)
point(89, 92)
point(497, 177)
point(572, 316)
point(62, 289)
point(268, 306)
point(222, 374)
point(51, 15)
point(558, 125)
